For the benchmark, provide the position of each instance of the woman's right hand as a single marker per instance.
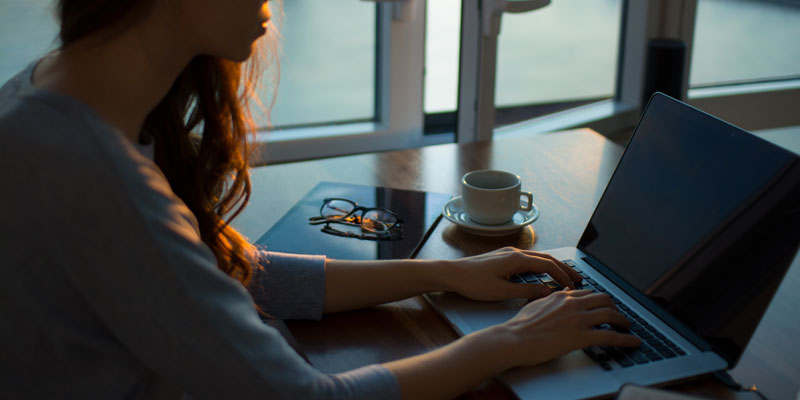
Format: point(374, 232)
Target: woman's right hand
point(541, 331)
point(562, 322)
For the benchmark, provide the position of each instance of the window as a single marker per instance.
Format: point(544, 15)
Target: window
point(368, 75)
point(742, 64)
point(327, 63)
point(370, 94)
point(442, 30)
point(351, 73)
point(27, 30)
point(548, 59)
point(753, 40)
point(745, 67)
point(563, 52)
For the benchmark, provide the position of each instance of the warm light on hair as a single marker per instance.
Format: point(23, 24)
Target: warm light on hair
point(208, 170)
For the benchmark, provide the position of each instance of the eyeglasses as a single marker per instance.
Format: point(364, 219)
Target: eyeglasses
point(383, 223)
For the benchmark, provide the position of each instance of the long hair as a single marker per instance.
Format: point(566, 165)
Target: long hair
point(208, 171)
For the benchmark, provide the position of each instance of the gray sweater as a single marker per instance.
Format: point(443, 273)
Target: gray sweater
point(107, 291)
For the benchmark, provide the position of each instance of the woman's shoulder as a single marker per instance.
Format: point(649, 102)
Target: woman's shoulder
point(49, 127)
point(42, 117)
point(52, 139)
point(20, 100)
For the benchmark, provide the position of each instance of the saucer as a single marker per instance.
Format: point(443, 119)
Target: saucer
point(454, 212)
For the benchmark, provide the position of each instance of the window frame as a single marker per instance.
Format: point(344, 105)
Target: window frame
point(400, 118)
point(398, 123)
point(643, 20)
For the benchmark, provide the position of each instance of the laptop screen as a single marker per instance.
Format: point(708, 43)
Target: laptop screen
point(703, 218)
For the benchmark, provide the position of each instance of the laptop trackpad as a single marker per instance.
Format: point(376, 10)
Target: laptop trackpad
point(571, 376)
point(468, 316)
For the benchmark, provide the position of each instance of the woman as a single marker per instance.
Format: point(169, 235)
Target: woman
point(121, 277)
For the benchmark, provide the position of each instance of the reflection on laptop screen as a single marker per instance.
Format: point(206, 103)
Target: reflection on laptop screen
point(702, 217)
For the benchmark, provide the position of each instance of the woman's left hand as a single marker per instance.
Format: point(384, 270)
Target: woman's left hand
point(485, 277)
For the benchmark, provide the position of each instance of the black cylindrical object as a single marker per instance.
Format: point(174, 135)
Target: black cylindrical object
point(664, 68)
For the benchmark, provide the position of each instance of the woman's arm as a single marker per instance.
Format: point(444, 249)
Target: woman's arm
point(355, 284)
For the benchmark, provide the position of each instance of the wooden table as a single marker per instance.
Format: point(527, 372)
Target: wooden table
point(567, 172)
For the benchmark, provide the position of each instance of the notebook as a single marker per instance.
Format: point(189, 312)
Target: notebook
point(692, 236)
point(420, 212)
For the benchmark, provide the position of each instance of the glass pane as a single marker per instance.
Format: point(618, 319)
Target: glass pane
point(327, 63)
point(745, 40)
point(565, 51)
point(27, 30)
point(442, 38)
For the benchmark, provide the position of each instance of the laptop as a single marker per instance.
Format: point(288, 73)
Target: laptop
point(692, 236)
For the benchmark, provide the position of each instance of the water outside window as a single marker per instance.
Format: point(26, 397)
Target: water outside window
point(442, 37)
point(327, 62)
point(745, 40)
point(27, 30)
point(565, 51)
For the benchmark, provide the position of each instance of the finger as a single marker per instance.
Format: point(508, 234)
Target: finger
point(577, 292)
point(536, 264)
point(592, 301)
point(555, 272)
point(574, 276)
point(612, 338)
point(529, 291)
point(601, 316)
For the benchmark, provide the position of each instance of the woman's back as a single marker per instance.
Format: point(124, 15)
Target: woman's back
point(105, 279)
point(62, 207)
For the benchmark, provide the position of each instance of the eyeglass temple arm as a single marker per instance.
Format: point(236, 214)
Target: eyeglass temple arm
point(329, 230)
point(324, 220)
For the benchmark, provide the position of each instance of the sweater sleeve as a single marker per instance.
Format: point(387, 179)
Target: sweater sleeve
point(289, 286)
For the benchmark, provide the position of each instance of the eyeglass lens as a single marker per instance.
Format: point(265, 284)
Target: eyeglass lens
point(335, 209)
point(374, 220)
point(377, 220)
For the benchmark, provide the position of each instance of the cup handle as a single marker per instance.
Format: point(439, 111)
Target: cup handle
point(529, 196)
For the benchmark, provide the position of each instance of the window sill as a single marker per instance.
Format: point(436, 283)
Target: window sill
point(603, 116)
point(307, 143)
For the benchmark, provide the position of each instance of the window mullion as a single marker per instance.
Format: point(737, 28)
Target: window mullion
point(645, 20)
point(400, 75)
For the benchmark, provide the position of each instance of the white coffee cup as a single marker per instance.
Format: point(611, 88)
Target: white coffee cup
point(492, 197)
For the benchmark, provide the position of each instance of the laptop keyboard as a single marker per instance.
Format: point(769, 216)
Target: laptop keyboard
point(655, 345)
